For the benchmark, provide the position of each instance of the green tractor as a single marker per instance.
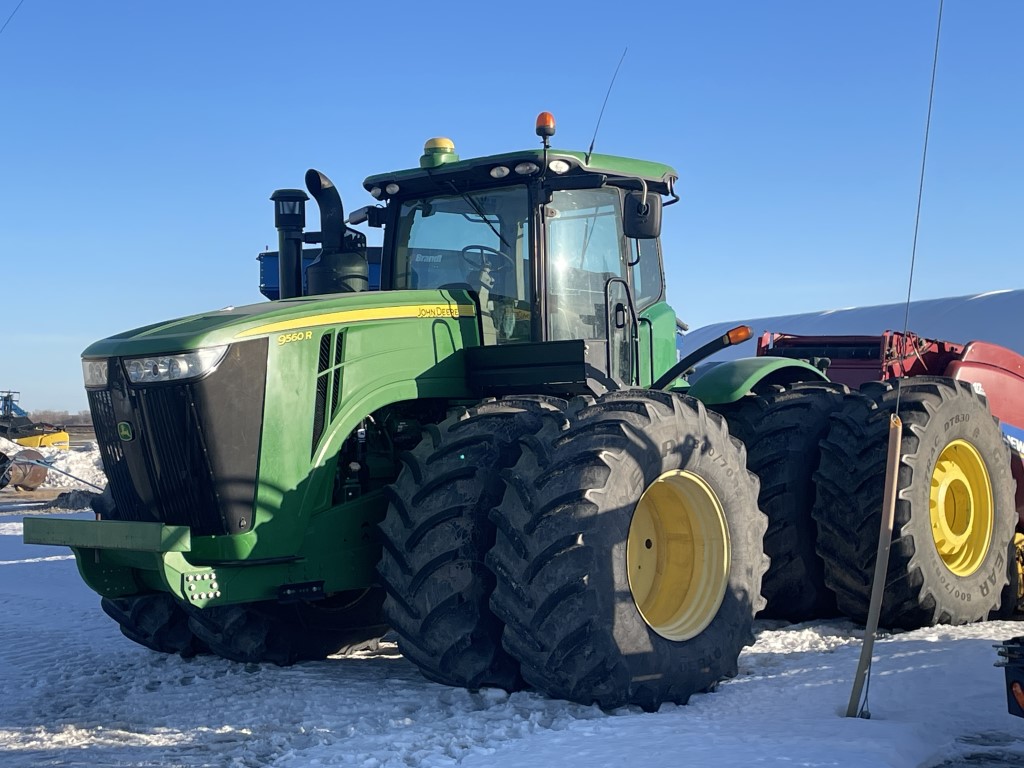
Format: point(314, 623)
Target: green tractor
point(495, 454)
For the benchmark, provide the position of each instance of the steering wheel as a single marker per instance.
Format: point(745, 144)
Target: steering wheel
point(499, 263)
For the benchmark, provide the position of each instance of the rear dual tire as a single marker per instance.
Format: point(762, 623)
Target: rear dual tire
point(254, 632)
point(284, 634)
point(955, 515)
point(156, 621)
point(782, 427)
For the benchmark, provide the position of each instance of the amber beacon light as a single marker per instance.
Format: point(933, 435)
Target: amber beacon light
point(545, 124)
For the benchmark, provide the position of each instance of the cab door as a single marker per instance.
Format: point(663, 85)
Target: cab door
point(588, 294)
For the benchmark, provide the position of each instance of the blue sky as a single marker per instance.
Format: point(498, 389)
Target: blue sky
point(139, 143)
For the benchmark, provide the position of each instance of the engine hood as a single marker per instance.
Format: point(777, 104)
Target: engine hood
point(231, 324)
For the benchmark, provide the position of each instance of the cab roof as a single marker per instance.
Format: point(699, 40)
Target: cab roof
point(657, 176)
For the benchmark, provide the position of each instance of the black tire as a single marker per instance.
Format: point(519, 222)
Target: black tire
point(1011, 601)
point(572, 510)
point(284, 634)
point(1013, 593)
point(157, 621)
point(103, 505)
point(782, 427)
point(942, 419)
point(436, 533)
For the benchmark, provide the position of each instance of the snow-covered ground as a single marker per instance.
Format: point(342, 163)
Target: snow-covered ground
point(74, 692)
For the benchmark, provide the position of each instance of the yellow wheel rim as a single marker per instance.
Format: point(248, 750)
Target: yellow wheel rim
point(961, 507)
point(678, 555)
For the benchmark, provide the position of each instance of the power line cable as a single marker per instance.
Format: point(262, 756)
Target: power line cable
point(11, 16)
point(920, 185)
point(864, 677)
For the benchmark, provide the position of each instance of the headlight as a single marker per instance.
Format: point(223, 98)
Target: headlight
point(187, 365)
point(94, 372)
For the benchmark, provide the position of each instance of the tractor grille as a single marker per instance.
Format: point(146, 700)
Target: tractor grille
point(192, 454)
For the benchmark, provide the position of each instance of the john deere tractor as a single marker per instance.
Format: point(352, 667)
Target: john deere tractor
point(493, 454)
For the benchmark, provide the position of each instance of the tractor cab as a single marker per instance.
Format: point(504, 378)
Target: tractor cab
point(547, 246)
point(551, 245)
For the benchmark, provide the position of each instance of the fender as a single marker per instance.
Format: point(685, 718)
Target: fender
point(729, 381)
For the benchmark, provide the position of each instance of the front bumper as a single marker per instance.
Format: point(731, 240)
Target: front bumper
point(118, 558)
point(108, 534)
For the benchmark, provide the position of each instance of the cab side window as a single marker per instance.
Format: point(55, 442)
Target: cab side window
point(648, 281)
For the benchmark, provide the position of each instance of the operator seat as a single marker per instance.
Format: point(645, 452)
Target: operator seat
point(482, 281)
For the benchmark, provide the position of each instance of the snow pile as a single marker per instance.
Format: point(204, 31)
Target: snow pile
point(9, 447)
point(82, 463)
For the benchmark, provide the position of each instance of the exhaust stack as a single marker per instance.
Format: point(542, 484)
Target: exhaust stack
point(341, 266)
point(332, 216)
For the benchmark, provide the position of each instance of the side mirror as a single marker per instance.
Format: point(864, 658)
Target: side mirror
point(372, 215)
point(641, 217)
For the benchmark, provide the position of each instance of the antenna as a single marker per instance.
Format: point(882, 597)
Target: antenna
point(605, 104)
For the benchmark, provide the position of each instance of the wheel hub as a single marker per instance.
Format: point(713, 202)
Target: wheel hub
point(961, 507)
point(678, 555)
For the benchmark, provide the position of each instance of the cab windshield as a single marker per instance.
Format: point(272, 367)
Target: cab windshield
point(477, 241)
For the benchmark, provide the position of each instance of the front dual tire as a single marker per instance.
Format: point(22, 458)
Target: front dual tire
point(628, 556)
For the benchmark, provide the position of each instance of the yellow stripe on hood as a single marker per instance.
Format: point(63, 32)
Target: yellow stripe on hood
point(408, 312)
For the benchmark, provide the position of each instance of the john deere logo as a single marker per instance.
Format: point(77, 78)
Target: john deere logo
point(125, 432)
